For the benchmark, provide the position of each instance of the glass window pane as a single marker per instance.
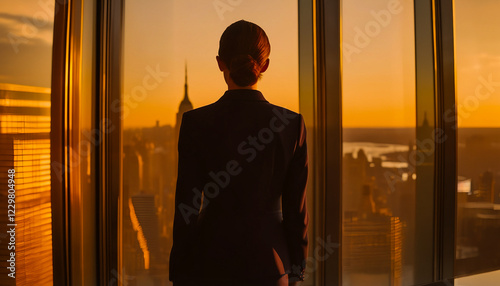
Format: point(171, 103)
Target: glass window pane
point(477, 53)
point(170, 68)
point(25, 68)
point(380, 132)
point(83, 172)
point(490, 278)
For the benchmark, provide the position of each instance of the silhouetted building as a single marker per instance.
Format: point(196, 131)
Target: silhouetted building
point(184, 106)
point(486, 187)
point(25, 148)
point(372, 251)
point(145, 222)
point(354, 176)
point(366, 205)
point(149, 178)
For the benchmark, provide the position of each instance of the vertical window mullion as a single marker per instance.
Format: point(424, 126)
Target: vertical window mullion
point(108, 159)
point(330, 128)
point(446, 150)
point(426, 139)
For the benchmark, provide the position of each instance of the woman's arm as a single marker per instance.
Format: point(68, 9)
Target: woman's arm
point(295, 217)
point(187, 203)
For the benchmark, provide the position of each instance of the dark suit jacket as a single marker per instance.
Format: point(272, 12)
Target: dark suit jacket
point(249, 158)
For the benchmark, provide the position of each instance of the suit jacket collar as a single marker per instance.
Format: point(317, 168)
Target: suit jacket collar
point(243, 95)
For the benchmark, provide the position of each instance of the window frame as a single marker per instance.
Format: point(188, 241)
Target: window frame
point(320, 53)
point(329, 114)
point(69, 263)
point(109, 38)
point(64, 66)
point(329, 129)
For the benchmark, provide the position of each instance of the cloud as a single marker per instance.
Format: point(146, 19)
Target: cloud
point(45, 24)
point(29, 64)
point(21, 29)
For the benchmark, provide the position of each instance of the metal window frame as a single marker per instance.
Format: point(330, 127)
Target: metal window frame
point(64, 106)
point(308, 106)
point(329, 129)
point(66, 66)
point(326, 113)
point(109, 160)
point(425, 91)
point(329, 115)
point(446, 152)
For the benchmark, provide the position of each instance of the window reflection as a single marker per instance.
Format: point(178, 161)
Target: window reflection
point(478, 105)
point(170, 68)
point(148, 196)
point(25, 69)
point(380, 146)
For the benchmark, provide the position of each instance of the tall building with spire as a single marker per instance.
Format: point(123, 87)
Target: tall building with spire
point(184, 106)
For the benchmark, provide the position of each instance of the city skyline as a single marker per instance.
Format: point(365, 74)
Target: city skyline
point(90, 167)
point(165, 34)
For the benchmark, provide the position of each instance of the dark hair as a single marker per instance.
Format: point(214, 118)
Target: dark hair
point(244, 48)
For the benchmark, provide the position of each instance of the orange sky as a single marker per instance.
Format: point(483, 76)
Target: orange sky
point(378, 64)
point(378, 79)
point(477, 54)
point(378, 86)
point(168, 33)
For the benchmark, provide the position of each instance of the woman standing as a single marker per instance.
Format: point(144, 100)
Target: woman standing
point(240, 216)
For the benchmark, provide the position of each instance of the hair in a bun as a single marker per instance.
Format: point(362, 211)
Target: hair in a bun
point(244, 70)
point(244, 48)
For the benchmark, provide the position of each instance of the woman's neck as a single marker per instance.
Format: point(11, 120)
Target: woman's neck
point(231, 85)
point(235, 86)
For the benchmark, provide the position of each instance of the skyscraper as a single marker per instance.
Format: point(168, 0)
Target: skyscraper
point(184, 106)
point(25, 147)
